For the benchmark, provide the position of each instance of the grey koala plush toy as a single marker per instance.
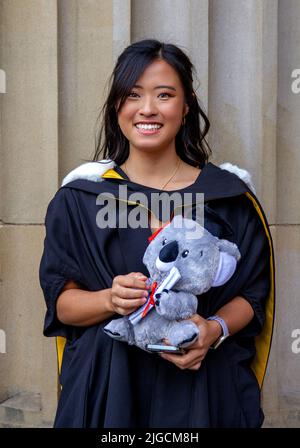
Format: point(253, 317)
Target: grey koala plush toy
point(184, 260)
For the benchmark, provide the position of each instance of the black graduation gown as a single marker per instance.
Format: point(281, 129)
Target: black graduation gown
point(107, 383)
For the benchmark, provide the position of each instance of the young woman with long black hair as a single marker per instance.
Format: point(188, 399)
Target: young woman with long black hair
point(152, 140)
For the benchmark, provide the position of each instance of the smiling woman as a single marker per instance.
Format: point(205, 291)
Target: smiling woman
point(152, 139)
point(152, 119)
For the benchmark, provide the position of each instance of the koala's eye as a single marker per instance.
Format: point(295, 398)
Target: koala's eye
point(185, 253)
point(164, 241)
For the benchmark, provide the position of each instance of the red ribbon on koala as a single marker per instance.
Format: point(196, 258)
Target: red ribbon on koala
point(151, 300)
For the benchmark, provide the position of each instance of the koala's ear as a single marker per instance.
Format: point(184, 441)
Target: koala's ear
point(226, 269)
point(229, 247)
point(229, 256)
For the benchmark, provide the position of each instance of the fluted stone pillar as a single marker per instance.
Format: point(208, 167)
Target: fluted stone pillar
point(121, 26)
point(243, 89)
point(242, 108)
point(85, 42)
point(28, 55)
point(288, 213)
point(183, 23)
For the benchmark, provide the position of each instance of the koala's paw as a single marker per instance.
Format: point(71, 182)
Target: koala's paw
point(117, 329)
point(183, 334)
point(162, 303)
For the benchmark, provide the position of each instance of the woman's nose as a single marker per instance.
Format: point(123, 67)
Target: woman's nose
point(148, 107)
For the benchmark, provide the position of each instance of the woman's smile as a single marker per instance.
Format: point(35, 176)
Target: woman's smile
point(148, 129)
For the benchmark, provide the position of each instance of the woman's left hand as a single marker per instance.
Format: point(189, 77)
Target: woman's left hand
point(195, 353)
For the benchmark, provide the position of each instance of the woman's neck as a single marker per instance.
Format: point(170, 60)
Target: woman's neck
point(152, 170)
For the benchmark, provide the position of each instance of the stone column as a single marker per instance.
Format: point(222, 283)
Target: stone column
point(288, 215)
point(121, 26)
point(85, 43)
point(28, 55)
point(182, 23)
point(243, 89)
point(242, 108)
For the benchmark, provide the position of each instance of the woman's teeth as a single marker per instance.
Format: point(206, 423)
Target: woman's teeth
point(148, 126)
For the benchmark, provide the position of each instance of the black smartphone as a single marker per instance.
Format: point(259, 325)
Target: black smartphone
point(161, 348)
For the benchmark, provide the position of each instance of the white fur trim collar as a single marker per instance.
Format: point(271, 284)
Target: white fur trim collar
point(94, 170)
point(244, 175)
point(89, 171)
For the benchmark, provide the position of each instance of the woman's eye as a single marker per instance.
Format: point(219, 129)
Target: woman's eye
point(132, 93)
point(165, 93)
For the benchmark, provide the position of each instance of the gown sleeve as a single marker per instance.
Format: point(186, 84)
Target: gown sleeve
point(251, 279)
point(253, 275)
point(58, 263)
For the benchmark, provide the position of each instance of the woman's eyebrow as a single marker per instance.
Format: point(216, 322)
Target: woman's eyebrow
point(157, 87)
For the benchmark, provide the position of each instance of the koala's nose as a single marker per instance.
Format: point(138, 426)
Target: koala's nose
point(169, 252)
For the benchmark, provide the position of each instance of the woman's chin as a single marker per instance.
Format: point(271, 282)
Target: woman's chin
point(149, 148)
point(142, 144)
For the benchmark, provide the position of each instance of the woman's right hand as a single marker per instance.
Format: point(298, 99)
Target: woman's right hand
point(128, 292)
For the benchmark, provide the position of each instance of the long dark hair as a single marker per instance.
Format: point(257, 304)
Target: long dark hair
point(190, 142)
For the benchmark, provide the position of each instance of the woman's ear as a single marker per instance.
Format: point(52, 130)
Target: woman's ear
point(185, 110)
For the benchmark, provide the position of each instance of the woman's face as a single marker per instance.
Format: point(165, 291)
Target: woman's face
point(152, 113)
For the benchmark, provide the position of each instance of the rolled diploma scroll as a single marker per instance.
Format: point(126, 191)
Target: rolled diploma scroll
point(167, 283)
